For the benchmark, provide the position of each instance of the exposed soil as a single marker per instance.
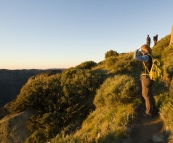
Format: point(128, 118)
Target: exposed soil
point(145, 129)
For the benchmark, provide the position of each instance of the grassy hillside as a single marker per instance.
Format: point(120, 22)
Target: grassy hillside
point(94, 102)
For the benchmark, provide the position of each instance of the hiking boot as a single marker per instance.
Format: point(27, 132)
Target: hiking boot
point(146, 115)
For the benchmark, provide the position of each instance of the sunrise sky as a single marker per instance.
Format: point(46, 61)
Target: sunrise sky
point(43, 34)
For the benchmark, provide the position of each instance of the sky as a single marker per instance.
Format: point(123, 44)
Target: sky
point(52, 34)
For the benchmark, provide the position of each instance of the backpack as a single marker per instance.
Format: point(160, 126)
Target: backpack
point(154, 38)
point(156, 70)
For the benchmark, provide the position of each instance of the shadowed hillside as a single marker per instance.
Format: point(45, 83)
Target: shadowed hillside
point(11, 81)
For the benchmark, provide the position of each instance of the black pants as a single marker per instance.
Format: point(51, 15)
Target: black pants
point(147, 94)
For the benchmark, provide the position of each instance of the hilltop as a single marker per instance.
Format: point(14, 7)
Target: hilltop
point(92, 102)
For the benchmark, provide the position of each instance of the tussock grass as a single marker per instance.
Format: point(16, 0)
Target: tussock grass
point(103, 125)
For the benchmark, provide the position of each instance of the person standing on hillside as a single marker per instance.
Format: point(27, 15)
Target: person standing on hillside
point(155, 38)
point(146, 82)
point(148, 40)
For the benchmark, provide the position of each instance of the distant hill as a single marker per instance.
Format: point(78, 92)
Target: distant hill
point(11, 82)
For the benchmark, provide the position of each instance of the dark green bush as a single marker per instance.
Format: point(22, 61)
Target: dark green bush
point(111, 53)
point(58, 100)
point(86, 65)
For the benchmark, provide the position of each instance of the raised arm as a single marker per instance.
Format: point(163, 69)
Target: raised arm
point(143, 58)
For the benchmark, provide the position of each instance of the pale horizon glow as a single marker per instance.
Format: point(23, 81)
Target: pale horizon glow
point(42, 34)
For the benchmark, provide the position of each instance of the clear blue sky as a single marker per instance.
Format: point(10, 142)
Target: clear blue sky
point(43, 34)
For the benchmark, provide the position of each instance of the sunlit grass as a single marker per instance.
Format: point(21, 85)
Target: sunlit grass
point(105, 124)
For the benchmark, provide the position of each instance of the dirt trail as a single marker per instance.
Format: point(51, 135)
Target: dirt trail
point(145, 129)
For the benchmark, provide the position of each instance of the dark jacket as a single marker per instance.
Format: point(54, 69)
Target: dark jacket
point(148, 65)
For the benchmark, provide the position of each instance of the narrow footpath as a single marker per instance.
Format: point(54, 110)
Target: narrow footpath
point(148, 131)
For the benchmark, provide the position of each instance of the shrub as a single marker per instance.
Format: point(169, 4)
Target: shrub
point(110, 62)
point(58, 100)
point(111, 53)
point(87, 65)
point(124, 64)
point(119, 89)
